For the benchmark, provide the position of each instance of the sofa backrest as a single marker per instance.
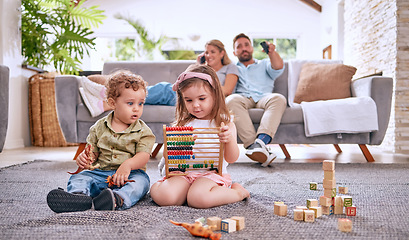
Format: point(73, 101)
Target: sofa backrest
point(167, 71)
point(281, 83)
point(151, 71)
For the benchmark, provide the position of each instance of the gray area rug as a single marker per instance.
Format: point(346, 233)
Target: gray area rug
point(380, 192)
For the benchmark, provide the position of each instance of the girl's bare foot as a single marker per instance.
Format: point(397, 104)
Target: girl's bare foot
point(241, 190)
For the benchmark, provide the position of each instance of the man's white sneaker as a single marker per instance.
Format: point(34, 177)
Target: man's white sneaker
point(270, 159)
point(258, 151)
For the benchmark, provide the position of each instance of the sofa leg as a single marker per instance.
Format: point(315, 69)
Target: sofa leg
point(80, 148)
point(284, 149)
point(156, 150)
point(337, 148)
point(366, 153)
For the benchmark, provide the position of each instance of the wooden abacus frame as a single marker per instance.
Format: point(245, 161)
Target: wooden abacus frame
point(178, 146)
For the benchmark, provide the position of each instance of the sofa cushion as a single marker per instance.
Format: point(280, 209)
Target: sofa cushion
point(324, 82)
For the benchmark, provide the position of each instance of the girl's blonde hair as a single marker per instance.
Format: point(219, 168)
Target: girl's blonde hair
point(122, 79)
point(219, 45)
point(220, 112)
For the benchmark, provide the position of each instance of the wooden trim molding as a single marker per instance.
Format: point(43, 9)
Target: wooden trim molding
point(312, 4)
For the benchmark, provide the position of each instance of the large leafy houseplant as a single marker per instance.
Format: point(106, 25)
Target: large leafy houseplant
point(58, 33)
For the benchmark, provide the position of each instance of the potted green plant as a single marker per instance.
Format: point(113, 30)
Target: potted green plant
point(58, 33)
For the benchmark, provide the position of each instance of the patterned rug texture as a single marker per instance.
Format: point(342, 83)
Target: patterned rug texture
point(379, 191)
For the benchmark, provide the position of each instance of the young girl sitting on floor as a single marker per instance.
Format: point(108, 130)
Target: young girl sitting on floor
point(200, 104)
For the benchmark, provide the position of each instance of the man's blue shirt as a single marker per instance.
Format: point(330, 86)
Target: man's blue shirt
point(257, 79)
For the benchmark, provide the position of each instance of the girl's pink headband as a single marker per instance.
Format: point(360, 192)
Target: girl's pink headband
point(188, 75)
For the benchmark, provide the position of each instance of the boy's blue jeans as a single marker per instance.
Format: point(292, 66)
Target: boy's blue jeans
point(93, 182)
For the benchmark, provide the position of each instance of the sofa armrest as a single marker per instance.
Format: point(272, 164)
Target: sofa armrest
point(67, 98)
point(380, 89)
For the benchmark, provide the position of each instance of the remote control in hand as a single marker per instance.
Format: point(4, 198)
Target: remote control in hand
point(265, 46)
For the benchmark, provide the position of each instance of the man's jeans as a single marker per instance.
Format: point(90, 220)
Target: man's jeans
point(93, 182)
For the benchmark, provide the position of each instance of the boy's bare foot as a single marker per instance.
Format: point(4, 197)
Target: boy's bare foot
point(241, 190)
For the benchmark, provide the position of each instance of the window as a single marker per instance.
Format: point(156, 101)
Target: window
point(287, 48)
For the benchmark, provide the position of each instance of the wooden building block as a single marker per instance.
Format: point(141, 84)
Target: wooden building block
point(350, 211)
point(329, 174)
point(325, 210)
point(313, 186)
point(328, 165)
point(325, 201)
point(344, 225)
point(228, 225)
point(309, 216)
point(312, 203)
point(338, 201)
point(347, 201)
point(201, 220)
point(280, 209)
point(329, 183)
point(328, 192)
point(338, 210)
point(214, 221)
point(301, 207)
point(298, 214)
point(239, 222)
point(343, 190)
point(317, 211)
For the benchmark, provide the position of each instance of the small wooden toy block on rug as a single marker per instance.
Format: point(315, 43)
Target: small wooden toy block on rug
point(191, 149)
point(313, 186)
point(344, 225)
point(280, 209)
point(228, 225)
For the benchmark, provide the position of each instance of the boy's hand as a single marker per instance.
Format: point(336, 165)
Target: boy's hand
point(121, 175)
point(225, 134)
point(85, 158)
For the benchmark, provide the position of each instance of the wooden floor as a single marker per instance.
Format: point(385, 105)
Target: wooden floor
point(299, 154)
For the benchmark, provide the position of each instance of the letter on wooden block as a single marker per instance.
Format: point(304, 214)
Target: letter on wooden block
point(298, 214)
point(309, 216)
point(351, 211)
point(228, 225)
point(313, 186)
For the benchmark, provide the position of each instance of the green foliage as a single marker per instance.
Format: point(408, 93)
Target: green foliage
point(147, 43)
point(125, 49)
point(57, 33)
point(181, 55)
point(287, 48)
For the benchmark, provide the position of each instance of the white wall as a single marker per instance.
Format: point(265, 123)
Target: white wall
point(216, 19)
point(18, 134)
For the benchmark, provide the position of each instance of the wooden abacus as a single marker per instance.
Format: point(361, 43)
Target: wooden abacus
point(183, 153)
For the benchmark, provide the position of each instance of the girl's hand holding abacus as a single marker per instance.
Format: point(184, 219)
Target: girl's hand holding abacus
point(226, 133)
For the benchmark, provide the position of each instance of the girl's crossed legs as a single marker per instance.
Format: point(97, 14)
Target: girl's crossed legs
point(201, 193)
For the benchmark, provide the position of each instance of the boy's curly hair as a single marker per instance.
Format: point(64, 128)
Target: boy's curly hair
point(122, 79)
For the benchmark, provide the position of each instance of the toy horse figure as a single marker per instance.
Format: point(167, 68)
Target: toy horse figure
point(196, 229)
point(88, 152)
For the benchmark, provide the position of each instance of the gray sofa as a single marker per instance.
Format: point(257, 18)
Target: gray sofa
point(4, 103)
point(75, 120)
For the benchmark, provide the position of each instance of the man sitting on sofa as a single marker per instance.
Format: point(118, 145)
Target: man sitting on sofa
point(254, 89)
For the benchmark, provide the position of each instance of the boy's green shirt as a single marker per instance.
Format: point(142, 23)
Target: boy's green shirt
point(114, 148)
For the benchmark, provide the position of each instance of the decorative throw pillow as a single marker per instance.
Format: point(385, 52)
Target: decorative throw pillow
point(100, 79)
point(324, 82)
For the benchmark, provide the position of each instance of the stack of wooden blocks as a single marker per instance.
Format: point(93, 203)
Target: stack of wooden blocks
point(228, 225)
point(329, 203)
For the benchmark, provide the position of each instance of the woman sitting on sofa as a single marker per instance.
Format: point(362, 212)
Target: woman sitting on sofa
point(161, 93)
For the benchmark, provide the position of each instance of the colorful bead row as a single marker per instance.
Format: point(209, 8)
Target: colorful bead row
point(181, 139)
point(177, 169)
point(179, 152)
point(180, 143)
point(179, 128)
point(181, 157)
point(180, 148)
point(176, 161)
